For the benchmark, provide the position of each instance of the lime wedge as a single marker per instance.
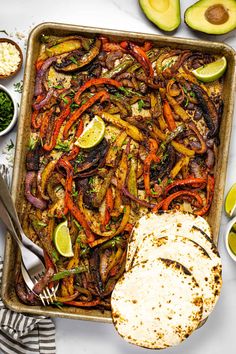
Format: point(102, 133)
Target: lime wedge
point(62, 240)
point(230, 201)
point(212, 71)
point(92, 134)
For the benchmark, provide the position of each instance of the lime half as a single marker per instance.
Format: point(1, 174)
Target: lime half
point(230, 201)
point(92, 134)
point(211, 72)
point(62, 240)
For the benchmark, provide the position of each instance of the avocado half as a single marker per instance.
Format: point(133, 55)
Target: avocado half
point(165, 14)
point(212, 16)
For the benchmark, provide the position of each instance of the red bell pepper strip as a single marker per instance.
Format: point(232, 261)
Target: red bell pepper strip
point(84, 303)
point(39, 64)
point(169, 116)
point(168, 200)
point(153, 146)
point(95, 82)
point(81, 219)
point(111, 47)
point(147, 46)
point(57, 126)
point(75, 150)
point(184, 182)
point(45, 121)
point(139, 54)
point(210, 193)
point(101, 95)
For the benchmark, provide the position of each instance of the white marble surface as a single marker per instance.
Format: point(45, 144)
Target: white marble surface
point(218, 334)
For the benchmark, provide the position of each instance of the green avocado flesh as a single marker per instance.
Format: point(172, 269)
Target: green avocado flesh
point(163, 13)
point(212, 16)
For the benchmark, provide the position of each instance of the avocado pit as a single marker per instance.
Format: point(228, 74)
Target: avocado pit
point(217, 14)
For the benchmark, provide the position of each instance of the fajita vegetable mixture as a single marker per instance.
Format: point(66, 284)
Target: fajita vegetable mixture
point(118, 129)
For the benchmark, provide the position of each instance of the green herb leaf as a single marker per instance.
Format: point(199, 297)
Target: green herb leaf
point(140, 105)
point(169, 181)
point(62, 146)
point(10, 146)
point(185, 90)
point(73, 60)
point(80, 158)
point(18, 86)
point(59, 87)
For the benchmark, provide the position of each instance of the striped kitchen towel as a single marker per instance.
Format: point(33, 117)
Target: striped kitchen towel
point(25, 334)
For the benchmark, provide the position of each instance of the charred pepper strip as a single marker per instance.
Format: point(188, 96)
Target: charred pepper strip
point(60, 120)
point(81, 219)
point(208, 109)
point(184, 182)
point(78, 112)
point(139, 54)
point(45, 121)
point(166, 202)
point(95, 82)
point(84, 303)
point(69, 180)
point(153, 146)
point(109, 206)
point(210, 193)
point(75, 150)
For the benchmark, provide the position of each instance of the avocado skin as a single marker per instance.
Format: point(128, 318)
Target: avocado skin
point(171, 21)
point(194, 17)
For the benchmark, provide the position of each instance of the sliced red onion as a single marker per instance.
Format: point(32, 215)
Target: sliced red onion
point(44, 101)
point(40, 75)
point(36, 202)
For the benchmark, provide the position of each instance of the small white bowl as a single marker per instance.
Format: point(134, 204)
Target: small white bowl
point(228, 229)
point(15, 113)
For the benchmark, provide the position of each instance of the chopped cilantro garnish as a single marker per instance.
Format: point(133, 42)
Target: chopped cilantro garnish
point(140, 105)
point(10, 146)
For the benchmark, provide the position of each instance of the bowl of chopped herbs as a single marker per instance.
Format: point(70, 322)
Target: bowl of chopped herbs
point(8, 111)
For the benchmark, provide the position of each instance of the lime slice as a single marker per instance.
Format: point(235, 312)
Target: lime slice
point(92, 134)
point(230, 201)
point(62, 240)
point(212, 71)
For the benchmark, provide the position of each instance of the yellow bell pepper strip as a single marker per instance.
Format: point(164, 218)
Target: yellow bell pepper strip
point(95, 82)
point(183, 161)
point(177, 108)
point(168, 200)
point(132, 176)
point(209, 197)
point(121, 177)
point(101, 95)
point(63, 47)
point(120, 229)
point(169, 116)
point(115, 259)
point(63, 162)
point(57, 126)
point(66, 298)
point(130, 129)
point(47, 172)
point(103, 189)
point(153, 146)
point(67, 287)
point(183, 182)
point(169, 139)
point(115, 148)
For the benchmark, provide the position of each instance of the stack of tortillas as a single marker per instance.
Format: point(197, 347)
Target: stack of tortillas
point(171, 283)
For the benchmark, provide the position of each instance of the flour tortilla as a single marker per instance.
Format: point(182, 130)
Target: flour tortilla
point(156, 304)
point(192, 256)
point(168, 223)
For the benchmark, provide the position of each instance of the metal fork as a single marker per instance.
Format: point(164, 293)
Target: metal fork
point(31, 266)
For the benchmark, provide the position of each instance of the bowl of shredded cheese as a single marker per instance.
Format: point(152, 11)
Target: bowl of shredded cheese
point(11, 58)
point(8, 111)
